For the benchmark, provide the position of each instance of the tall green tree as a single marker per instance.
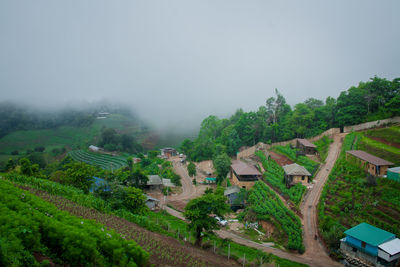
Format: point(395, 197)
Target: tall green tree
point(222, 164)
point(198, 212)
point(191, 169)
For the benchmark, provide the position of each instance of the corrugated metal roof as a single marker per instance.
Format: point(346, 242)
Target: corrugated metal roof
point(231, 190)
point(306, 143)
point(154, 180)
point(295, 169)
point(242, 168)
point(392, 247)
point(395, 169)
point(369, 234)
point(369, 158)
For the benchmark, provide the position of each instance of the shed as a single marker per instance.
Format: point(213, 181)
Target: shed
point(152, 203)
point(390, 251)
point(168, 152)
point(394, 174)
point(167, 182)
point(372, 164)
point(244, 175)
point(306, 146)
point(211, 180)
point(154, 182)
point(294, 174)
point(231, 193)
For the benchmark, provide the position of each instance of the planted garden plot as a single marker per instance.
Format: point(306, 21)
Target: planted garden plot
point(103, 161)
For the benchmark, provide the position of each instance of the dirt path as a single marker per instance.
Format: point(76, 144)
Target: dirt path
point(314, 249)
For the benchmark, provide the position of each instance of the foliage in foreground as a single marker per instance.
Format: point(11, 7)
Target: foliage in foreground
point(274, 175)
point(28, 224)
point(266, 204)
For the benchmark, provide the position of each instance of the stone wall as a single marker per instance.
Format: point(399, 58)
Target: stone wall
point(371, 124)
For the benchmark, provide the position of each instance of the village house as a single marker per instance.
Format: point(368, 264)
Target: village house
point(152, 203)
point(243, 175)
point(294, 174)
point(154, 182)
point(306, 146)
point(373, 165)
point(168, 152)
point(367, 245)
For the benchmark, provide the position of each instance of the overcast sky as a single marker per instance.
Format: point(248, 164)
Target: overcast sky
point(180, 61)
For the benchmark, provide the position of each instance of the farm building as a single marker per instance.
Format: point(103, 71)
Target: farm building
point(154, 182)
point(244, 175)
point(373, 165)
point(294, 174)
point(94, 148)
point(232, 193)
point(168, 152)
point(368, 245)
point(306, 146)
point(394, 174)
point(152, 203)
point(167, 182)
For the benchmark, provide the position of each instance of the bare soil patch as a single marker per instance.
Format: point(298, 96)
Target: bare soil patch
point(280, 159)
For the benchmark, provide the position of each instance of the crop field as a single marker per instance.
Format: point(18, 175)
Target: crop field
point(266, 204)
point(349, 199)
point(103, 161)
point(274, 176)
point(29, 225)
point(307, 163)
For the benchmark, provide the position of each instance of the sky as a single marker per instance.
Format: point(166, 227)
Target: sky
point(176, 62)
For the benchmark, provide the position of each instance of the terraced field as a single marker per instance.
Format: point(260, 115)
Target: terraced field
point(103, 161)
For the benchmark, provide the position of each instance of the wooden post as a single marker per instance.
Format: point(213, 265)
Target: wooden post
point(229, 250)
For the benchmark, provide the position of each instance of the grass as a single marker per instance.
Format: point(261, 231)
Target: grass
point(391, 134)
point(323, 147)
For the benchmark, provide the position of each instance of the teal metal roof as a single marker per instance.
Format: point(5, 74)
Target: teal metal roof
point(211, 179)
point(369, 234)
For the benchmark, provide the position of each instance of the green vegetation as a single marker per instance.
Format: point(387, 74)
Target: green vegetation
point(274, 176)
point(267, 206)
point(304, 161)
point(350, 197)
point(28, 224)
point(103, 161)
point(278, 121)
point(390, 134)
point(323, 147)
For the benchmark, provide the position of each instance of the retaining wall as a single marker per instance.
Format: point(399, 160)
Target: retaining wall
point(371, 124)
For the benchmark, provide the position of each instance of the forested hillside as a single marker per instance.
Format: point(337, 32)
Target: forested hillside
point(278, 121)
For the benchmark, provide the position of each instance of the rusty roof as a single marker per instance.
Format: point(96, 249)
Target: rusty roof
point(369, 158)
point(241, 168)
point(306, 143)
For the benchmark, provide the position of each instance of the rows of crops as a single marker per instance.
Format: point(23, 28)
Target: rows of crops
point(307, 163)
point(103, 161)
point(274, 175)
point(28, 224)
point(266, 204)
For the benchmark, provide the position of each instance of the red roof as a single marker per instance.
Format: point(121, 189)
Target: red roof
point(369, 158)
point(241, 168)
point(306, 143)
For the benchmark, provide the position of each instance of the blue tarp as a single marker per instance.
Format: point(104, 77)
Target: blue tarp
point(97, 183)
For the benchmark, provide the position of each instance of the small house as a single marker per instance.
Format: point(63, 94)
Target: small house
point(168, 152)
point(367, 244)
point(294, 174)
point(154, 182)
point(152, 203)
point(306, 146)
point(232, 193)
point(244, 175)
point(373, 165)
point(394, 174)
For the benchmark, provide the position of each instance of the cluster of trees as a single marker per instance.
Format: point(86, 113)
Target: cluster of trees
point(112, 141)
point(278, 121)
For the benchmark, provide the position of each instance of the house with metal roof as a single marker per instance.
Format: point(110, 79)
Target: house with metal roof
point(294, 174)
point(372, 164)
point(243, 175)
point(306, 146)
point(154, 182)
point(370, 246)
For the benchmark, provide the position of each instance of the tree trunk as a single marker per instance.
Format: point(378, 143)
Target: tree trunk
point(198, 238)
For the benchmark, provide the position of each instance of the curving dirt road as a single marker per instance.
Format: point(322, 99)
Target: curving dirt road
point(314, 249)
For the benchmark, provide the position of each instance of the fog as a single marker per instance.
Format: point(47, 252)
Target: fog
point(175, 62)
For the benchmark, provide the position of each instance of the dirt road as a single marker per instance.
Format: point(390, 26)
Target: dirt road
point(314, 249)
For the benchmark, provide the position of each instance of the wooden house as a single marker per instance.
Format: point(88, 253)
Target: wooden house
point(306, 146)
point(373, 165)
point(294, 174)
point(168, 152)
point(243, 175)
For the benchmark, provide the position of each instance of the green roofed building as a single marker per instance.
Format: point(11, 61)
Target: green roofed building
point(362, 243)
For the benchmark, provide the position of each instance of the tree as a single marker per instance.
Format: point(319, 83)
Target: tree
point(222, 164)
point(135, 200)
point(10, 164)
point(198, 212)
point(191, 169)
point(80, 175)
point(26, 166)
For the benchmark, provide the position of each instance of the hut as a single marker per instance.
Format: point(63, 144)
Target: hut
point(294, 174)
point(373, 165)
point(154, 182)
point(243, 175)
point(306, 146)
point(152, 203)
point(168, 152)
